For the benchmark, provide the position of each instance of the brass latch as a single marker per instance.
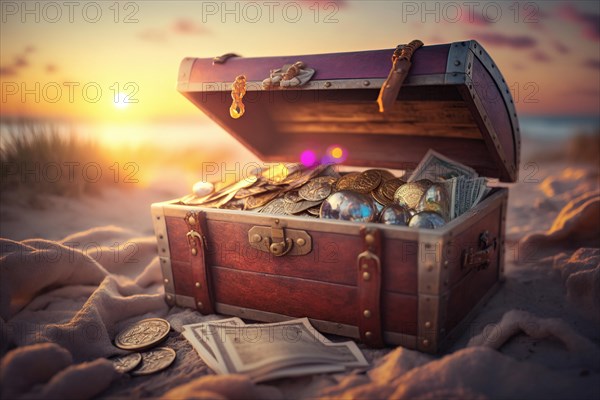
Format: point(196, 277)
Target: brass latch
point(196, 241)
point(480, 259)
point(279, 241)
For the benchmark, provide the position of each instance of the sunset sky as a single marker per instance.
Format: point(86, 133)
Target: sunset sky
point(548, 51)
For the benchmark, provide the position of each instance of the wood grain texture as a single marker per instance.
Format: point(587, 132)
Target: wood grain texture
point(280, 124)
point(307, 298)
point(495, 108)
point(390, 151)
point(366, 146)
point(453, 251)
point(333, 258)
point(352, 65)
point(182, 278)
point(466, 294)
point(399, 266)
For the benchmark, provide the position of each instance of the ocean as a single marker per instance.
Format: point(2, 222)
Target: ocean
point(209, 136)
point(558, 127)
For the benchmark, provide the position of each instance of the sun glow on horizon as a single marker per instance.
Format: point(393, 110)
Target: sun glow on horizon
point(121, 101)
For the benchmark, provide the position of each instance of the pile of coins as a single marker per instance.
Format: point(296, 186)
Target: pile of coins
point(142, 337)
point(374, 195)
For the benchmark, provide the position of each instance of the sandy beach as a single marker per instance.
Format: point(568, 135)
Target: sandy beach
point(544, 321)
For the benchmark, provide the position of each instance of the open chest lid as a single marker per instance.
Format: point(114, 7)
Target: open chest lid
point(454, 100)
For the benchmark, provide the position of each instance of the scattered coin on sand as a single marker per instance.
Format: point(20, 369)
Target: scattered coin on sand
point(155, 360)
point(127, 362)
point(143, 334)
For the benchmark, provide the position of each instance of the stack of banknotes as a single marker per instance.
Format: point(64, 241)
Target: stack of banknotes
point(270, 351)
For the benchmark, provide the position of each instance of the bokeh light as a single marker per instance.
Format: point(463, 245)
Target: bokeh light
point(308, 158)
point(335, 154)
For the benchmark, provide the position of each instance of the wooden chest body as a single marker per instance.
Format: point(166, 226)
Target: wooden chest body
point(373, 282)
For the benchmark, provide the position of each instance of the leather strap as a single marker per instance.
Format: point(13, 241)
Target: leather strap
point(369, 288)
point(196, 237)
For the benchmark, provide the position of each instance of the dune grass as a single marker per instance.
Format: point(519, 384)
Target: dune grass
point(40, 159)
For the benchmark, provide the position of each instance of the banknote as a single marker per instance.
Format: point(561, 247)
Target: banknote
point(196, 334)
point(436, 167)
point(270, 351)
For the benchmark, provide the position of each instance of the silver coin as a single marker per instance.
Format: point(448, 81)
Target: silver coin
point(275, 207)
point(126, 363)
point(331, 171)
point(394, 215)
point(143, 334)
point(435, 199)
point(427, 220)
point(292, 196)
point(314, 210)
point(378, 206)
point(295, 208)
point(315, 190)
point(155, 360)
point(327, 179)
point(349, 206)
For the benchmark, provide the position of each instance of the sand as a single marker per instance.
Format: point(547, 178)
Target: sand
point(538, 337)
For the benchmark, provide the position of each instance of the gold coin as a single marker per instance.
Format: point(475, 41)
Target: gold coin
point(388, 188)
point(219, 202)
point(260, 200)
point(325, 178)
point(275, 207)
point(385, 175)
point(346, 182)
point(315, 190)
point(331, 171)
point(367, 181)
point(292, 196)
point(126, 363)
point(380, 198)
point(295, 208)
point(155, 360)
point(314, 210)
point(235, 204)
point(143, 334)
point(250, 191)
point(227, 190)
point(296, 180)
point(409, 195)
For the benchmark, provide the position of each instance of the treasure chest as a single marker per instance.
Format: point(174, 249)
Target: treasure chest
point(380, 284)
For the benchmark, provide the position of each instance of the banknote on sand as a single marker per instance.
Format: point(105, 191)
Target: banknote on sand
point(270, 351)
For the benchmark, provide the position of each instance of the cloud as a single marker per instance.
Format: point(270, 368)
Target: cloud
point(592, 63)
point(188, 27)
point(8, 71)
point(560, 47)
point(540, 56)
point(472, 17)
point(181, 26)
point(502, 40)
point(20, 62)
point(153, 35)
point(582, 92)
point(588, 22)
